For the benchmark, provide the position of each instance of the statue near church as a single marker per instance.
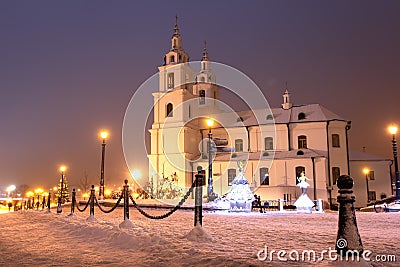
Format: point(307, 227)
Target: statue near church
point(304, 203)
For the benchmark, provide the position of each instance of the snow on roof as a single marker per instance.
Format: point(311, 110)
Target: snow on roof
point(362, 156)
point(312, 113)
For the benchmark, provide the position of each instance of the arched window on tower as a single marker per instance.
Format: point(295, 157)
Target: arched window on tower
point(202, 97)
point(169, 110)
point(172, 59)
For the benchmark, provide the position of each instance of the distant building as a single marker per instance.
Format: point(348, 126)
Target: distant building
point(288, 141)
point(379, 178)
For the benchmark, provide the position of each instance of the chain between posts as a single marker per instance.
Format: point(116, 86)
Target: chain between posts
point(112, 209)
point(87, 205)
point(159, 217)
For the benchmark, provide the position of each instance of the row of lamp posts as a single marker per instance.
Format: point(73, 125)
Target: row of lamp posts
point(103, 135)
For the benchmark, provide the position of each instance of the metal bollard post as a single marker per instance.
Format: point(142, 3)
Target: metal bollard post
point(198, 209)
point(73, 202)
point(48, 203)
point(92, 196)
point(126, 200)
point(348, 237)
point(43, 202)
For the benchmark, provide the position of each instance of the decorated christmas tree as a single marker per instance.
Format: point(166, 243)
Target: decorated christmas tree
point(65, 192)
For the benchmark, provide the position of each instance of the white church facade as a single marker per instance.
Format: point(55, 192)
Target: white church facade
point(288, 141)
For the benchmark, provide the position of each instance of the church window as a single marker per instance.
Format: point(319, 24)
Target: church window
point(172, 59)
point(202, 97)
point(264, 176)
point(269, 117)
point(231, 176)
point(301, 116)
point(335, 140)
point(169, 110)
point(371, 175)
point(302, 141)
point(299, 170)
point(170, 83)
point(269, 143)
point(202, 79)
point(335, 174)
point(239, 145)
point(371, 195)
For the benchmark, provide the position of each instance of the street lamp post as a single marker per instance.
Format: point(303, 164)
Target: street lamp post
point(393, 131)
point(366, 172)
point(104, 135)
point(60, 196)
point(210, 189)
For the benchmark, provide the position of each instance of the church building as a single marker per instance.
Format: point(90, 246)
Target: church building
point(289, 140)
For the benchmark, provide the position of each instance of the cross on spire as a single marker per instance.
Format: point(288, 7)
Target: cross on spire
point(205, 54)
point(176, 29)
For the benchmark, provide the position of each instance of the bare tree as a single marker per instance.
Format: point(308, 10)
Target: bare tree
point(84, 183)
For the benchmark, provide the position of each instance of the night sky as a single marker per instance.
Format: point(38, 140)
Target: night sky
point(69, 68)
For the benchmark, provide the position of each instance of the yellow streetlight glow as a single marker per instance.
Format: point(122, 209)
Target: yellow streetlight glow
point(104, 135)
point(85, 195)
point(96, 188)
point(38, 191)
point(365, 171)
point(107, 192)
point(392, 129)
point(55, 188)
point(136, 174)
point(210, 122)
point(29, 194)
point(63, 168)
point(11, 188)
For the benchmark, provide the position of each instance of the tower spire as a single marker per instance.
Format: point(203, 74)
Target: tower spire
point(176, 29)
point(205, 54)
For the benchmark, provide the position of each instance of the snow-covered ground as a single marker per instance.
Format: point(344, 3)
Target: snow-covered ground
point(37, 238)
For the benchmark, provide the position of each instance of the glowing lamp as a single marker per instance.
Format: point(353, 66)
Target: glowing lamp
point(63, 168)
point(11, 188)
point(107, 192)
point(136, 174)
point(104, 135)
point(210, 122)
point(365, 171)
point(392, 129)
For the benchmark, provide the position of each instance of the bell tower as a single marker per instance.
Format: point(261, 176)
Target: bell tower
point(175, 72)
point(286, 99)
point(205, 87)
